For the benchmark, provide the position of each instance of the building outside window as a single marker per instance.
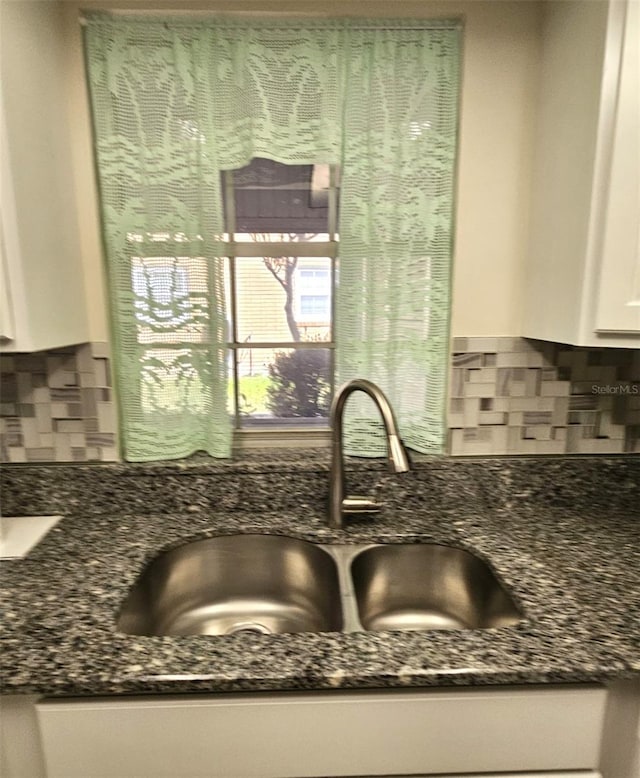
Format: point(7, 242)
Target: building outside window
point(281, 220)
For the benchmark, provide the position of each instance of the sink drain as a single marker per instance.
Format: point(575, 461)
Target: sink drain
point(249, 626)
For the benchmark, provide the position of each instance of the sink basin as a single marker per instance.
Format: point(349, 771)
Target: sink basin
point(235, 583)
point(272, 584)
point(428, 586)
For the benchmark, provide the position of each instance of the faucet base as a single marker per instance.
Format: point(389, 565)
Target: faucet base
point(354, 504)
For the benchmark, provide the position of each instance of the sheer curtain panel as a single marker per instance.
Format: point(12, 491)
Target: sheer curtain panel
point(178, 100)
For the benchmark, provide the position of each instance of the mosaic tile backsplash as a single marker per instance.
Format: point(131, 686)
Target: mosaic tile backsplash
point(521, 396)
point(507, 396)
point(57, 406)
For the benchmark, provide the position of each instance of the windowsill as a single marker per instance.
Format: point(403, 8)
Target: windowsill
point(273, 438)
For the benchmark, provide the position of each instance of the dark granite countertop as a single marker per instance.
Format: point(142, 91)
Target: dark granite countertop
point(564, 539)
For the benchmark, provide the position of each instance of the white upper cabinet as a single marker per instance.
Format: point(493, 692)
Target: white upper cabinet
point(42, 295)
point(583, 274)
point(618, 308)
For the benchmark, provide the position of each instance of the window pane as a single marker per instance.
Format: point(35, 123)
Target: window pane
point(313, 294)
point(284, 386)
point(274, 198)
point(283, 299)
point(314, 306)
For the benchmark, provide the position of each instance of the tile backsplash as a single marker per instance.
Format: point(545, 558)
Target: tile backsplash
point(521, 396)
point(507, 396)
point(57, 406)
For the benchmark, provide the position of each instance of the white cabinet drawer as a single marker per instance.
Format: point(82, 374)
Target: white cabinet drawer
point(298, 735)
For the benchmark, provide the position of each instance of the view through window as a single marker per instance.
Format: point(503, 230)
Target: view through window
point(281, 223)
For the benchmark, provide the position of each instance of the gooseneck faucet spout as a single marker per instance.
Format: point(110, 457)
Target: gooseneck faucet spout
point(341, 504)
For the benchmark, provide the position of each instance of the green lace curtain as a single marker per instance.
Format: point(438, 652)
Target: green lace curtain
point(175, 101)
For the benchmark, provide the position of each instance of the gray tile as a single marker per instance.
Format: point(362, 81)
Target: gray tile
point(552, 388)
point(43, 417)
point(39, 380)
point(7, 364)
point(100, 439)
point(471, 411)
point(487, 345)
point(89, 403)
point(532, 381)
point(106, 417)
point(9, 389)
point(62, 447)
point(479, 390)
point(493, 418)
point(456, 385)
point(13, 434)
point(40, 455)
point(482, 375)
point(583, 402)
point(68, 425)
point(31, 363)
point(69, 394)
point(459, 345)
point(102, 373)
point(100, 350)
point(84, 358)
point(536, 417)
point(503, 381)
point(467, 360)
point(91, 425)
point(109, 454)
point(560, 411)
point(25, 387)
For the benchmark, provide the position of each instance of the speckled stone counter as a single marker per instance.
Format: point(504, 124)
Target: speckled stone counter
point(562, 534)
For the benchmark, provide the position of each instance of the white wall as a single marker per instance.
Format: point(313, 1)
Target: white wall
point(501, 48)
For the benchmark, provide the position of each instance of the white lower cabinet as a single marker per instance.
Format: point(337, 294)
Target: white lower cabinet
point(298, 735)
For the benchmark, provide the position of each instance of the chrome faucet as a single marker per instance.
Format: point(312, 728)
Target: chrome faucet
point(340, 504)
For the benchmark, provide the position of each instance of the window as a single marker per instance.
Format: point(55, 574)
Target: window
point(280, 220)
point(313, 295)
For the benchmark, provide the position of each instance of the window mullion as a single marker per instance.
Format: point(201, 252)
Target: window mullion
point(332, 214)
point(332, 226)
point(283, 249)
point(230, 210)
point(279, 344)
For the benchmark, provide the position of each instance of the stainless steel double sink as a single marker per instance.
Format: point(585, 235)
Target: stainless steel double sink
point(274, 584)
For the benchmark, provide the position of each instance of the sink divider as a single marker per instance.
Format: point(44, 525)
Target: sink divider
point(342, 555)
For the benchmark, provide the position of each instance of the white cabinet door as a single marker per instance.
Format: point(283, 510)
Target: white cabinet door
point(300, 735)
point(619, 289)
point(43, 290)
point(583, 273)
